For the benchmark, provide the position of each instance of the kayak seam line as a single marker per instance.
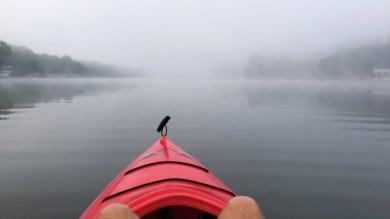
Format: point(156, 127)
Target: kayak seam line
point(167, 162)
point(166, 180)
point(167, 150)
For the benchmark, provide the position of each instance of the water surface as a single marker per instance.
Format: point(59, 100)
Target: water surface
point(302, 149)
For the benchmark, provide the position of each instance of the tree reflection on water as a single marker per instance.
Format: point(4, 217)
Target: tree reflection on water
point(25, 93)
point(365, 98)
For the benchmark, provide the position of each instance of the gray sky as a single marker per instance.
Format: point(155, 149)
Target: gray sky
point(190, 37)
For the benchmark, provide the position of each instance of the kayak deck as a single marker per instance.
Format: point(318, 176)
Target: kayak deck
point(165, 182)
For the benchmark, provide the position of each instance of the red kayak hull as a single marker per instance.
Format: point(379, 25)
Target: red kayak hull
point(164, 175)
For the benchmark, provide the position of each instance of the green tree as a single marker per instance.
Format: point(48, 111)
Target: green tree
point(5, 52)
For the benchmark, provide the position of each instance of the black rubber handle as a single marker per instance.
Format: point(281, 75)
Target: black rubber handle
point(163, 123)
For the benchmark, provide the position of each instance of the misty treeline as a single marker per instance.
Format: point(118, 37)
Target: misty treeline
point(359, 62)
point(25, 62)
point(355, 62)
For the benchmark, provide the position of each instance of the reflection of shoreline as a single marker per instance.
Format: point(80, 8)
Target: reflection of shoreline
point(362, 98)
point(25, 93)
point(11, 110)
point(381, 89)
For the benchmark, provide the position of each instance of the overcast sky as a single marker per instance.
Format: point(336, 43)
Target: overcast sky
point(189, 37)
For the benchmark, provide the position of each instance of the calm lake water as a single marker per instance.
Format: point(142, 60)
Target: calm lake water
point(302, 149)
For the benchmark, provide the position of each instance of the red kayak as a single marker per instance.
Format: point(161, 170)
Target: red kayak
point(165, 182)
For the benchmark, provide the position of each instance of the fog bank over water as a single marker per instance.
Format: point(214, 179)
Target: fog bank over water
point(178, 39)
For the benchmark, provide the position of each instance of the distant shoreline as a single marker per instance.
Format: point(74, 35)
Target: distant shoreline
point(23, 62)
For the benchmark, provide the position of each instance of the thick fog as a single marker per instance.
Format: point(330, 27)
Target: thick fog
point(189, 38)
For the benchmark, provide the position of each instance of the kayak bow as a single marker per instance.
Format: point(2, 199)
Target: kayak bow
point(165, 182)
